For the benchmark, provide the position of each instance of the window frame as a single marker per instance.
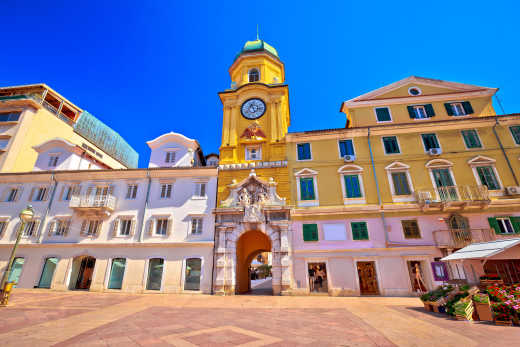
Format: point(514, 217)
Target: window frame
point(418, 229)
point(199, 225)
point(398, 167)
point(197, 190)
point(248, 153)
point(420, 107)
point(466, 144)
point(317, 232)
point(389, 113)
point(454, 109)
point(436, 139)
point(396, 140)
point(349, 170)
point(4, 224)
point(12, 195)
point(167, 194)
point(131, 191)
point(307, 173)
point(62, 227)
point(352, 229)
point(310, 151)
point(156, 226)
point(353, 147)
point(495, 174)
point(510, 223)
point(147, 272)
point(250, 72)
point(168, 157)
point(482, 161)
point(517, 143)
point(127, 221)
point(53, 160)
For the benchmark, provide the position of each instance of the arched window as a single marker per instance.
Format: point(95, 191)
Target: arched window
point(254, 75)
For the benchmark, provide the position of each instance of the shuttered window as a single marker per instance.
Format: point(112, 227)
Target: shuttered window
point(352, 188)
point(346, 148)
point(304, 151)
point(411, 229)
point(400, 181)
point(471, 139)
point(421, 111)
point(383, 114)
point(310, 232)
point(487, 177)
point(430, 141)
point(505, 225)
point(458, 108)
point(307, 188)
point(391, 145)
point(515, 131)
point(359, 231)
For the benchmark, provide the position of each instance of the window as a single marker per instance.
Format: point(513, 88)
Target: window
point(334, 232)
point(155, 274)
point(383, 114)
point(170, 157)
point(196, 226)
point(391, 145)
point(359, 231)
point(131, 191)
point(161, 226)
point(200, 189)
point(126, 227)
point(13, 195)
point(400, 181)
point(346, 148)
point(166, 190)
point(505, 225)
point(192, 274)
point(9, 117)
point(442, 178)
point(30, 228)
point(254, 75)
point(117, 271)
point(307, 188)
point(458, 108)
point(3, 226)
point(67, 193)
point(411, 229)
point(430, 141)
point(41, 194)
point(304, 151)
point(352, 186)
point(471, 139)
point(487, 177)
point(3, 143)
point(515, 132)
point(91, 227)
point(62, 226)
point(310, 232)
point(212, 162)
point(421, 111)
point(414, 91)
point(253, 153)
point(53, 160)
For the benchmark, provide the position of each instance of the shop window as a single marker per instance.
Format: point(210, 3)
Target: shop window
point(155, 274)
point(117, 272)
point(48, 272)
point(192, 274)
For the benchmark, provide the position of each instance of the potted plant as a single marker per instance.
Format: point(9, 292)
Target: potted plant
point(482, 306)
point(425, 298)
point(502, 314)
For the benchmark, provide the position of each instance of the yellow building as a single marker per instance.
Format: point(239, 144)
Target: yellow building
point(253, 183)
point(424, 167)
point(31, 115)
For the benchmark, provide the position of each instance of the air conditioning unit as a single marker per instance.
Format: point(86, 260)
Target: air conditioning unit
point(349, 158)
point(434, 151)
point(514, 190)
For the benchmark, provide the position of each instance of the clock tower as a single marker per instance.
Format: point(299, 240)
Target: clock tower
point(255, 119)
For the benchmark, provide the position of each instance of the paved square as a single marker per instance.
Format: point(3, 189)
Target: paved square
point(47, 318)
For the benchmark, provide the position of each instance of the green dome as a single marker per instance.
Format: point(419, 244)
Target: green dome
point(258, 45)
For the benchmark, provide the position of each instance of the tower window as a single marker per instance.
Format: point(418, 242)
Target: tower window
point(254, 75)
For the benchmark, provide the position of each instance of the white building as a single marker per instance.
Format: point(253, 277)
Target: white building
point(131, 230)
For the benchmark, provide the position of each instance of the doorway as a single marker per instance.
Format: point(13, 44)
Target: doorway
point(48, 272)
point(367, 278)
point(16, 270)
point(192, 274)
point(84, 267)
point(416, 273)
point(248, 247)
point(318, 278)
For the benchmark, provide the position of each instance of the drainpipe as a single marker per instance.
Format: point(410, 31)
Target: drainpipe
point(377, 189)
point(146, 205)
point(49, 205)
point(504, 151)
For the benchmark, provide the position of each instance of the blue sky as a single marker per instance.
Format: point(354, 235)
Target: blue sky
point(150, 67)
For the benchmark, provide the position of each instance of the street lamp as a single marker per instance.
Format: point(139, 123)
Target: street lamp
point(26, 216)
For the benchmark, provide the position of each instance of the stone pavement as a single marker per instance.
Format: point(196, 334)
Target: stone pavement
point(47, 318)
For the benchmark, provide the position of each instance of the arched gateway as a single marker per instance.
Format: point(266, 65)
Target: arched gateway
point(251, 220)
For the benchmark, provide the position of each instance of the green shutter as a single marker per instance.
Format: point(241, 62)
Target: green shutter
point(359, 230)
point(494, 224)
point(429, 110)
point(467, 107)
point(515, 221)
point(449, 109)
point(411, 112)
point(310, 232)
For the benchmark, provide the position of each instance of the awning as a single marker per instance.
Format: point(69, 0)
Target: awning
point(483, 249)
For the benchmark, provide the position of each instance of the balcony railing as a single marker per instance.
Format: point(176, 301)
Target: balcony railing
point(458, 238)
point(453, 194)
point(103, 203)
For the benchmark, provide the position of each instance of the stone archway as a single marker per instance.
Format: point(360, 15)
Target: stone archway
point(248, 246)
point(254, 211)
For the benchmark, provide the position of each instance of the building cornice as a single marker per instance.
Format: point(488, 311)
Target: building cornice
point(110, 245)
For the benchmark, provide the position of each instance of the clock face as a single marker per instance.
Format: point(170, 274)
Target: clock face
point(253, 108)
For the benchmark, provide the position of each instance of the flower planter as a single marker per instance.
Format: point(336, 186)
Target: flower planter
point(506, 323)
point(484, 311)
point(427, 306)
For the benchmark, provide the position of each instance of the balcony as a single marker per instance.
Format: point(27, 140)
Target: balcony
point(96, 205)
point(453, 196)
point(459, 238)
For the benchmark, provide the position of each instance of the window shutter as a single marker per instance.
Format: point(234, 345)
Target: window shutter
point(411, 112)
point(355, 231)
point(115, 225)
point(83, 230)
point(310, 232)
point(150, 226)
point(169, 191)
point(132, 227)
point(494, 224)
point(169, 227)
point(32, 193)
point(449, 109)
point(467, 107)
point(429, 110)
point(52, 227)
point(515, 221)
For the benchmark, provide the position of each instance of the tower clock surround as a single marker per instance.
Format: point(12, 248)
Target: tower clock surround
point(253, 108)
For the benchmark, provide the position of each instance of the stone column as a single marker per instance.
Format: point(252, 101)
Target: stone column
point(224, 261)
point(285, 260)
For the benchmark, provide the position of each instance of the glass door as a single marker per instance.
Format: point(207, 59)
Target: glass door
point(48, 272)
point(16, 270)
point(192, 276)
point(155, 273)
point(116, 273)
point(445, 187)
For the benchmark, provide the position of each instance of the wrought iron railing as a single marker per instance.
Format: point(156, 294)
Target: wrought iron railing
point(453, 194)
point(93, 201)
point(458, 238)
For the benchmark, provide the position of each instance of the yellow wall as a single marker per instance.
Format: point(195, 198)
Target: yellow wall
point(269, 69)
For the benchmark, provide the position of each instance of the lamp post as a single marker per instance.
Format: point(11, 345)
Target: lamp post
point(26, 216)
